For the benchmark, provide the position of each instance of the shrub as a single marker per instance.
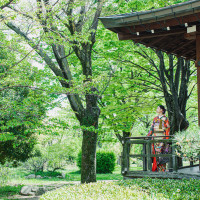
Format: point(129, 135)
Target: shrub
point(105, 162)
point(188, 143)
point(142, 188)
point(51, 174)
point(35, 164)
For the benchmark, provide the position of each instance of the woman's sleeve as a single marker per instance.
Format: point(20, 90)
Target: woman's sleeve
point(167, 126)
point(151, 129)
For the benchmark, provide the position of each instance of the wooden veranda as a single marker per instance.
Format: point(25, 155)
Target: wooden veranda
point(175, 30)
point(173, 171)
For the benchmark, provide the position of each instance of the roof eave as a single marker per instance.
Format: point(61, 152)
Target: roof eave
point(136, 18)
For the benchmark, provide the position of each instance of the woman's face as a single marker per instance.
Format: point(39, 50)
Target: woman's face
point(159, 110)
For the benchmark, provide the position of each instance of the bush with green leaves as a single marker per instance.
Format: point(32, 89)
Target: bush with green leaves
point(105, 162)
point(188, 143)
point(35, 164)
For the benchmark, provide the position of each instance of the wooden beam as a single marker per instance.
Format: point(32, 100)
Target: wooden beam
point(190, 36)
point(157, 40)
point(191, 58)
point(148, 36)
point(181, 46)
point(185, 52)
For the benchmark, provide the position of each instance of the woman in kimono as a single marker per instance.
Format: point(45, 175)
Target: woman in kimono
point(160, 127)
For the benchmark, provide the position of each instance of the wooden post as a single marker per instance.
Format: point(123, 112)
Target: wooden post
point(124, 164)
point(198, 72)
point(144, 158)
point(170, 165)
point(128, 156)
point(174, 158)
point(149, 161)
point(198, 75)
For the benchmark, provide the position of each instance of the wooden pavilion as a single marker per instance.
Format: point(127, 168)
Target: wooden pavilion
point(174, 29)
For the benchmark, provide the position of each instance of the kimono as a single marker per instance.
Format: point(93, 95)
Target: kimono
point(159, 127)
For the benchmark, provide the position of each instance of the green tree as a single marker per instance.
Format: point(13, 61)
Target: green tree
point(22, 105)
point(69, 26)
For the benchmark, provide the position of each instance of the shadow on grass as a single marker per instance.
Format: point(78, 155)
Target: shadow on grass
point(46, 173)
point(75, 172)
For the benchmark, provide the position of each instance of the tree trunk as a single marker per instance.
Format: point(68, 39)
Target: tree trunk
point(176, 96)
point(88, 163)
point(89, 143)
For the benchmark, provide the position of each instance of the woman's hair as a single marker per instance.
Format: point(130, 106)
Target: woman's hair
point(163, 108)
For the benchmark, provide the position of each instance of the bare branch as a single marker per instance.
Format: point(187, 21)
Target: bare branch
point(192, 90)
point(146, 56)
point(128, 61)
point(152, 83)
point(23, 58)
point(19, 12)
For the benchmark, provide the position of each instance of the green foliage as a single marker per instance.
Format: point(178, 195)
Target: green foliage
point(48, 174)
point(8, 190)
point(101, 190)
point(169, 188)
point(105, 162)
point(188, 143)
point(22, 106)
point(4, 175)
point(78, 160)
point(144, 188)
point(53, 152)
point(35, 164)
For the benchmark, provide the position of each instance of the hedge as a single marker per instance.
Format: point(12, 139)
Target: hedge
point(105, 162)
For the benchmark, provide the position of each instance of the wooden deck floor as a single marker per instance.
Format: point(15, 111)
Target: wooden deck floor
point(191, 172)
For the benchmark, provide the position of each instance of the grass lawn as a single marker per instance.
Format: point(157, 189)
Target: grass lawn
point(6, 191)
point(17, 179)
point(119, 189)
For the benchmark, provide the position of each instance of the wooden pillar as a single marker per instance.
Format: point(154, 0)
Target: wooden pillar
point(149, 161)
point(144, 158)
point(174, 158)
point(198, 72)
point(198, 76)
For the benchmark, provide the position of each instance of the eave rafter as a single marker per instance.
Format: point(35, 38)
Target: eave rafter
point(147, 35)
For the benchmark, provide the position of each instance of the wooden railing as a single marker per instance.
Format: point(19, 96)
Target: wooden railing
point(147, 154)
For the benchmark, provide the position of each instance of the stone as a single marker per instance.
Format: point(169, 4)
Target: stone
point(40, 191)
point(63, 175)
point(26, 190)
point(31, 194)
point(38, 176)
point(34, 189)
point(30, 176)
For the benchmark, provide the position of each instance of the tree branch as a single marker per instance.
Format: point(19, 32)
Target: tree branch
point(97, 14)
point(46, 58)
point(6, 4)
